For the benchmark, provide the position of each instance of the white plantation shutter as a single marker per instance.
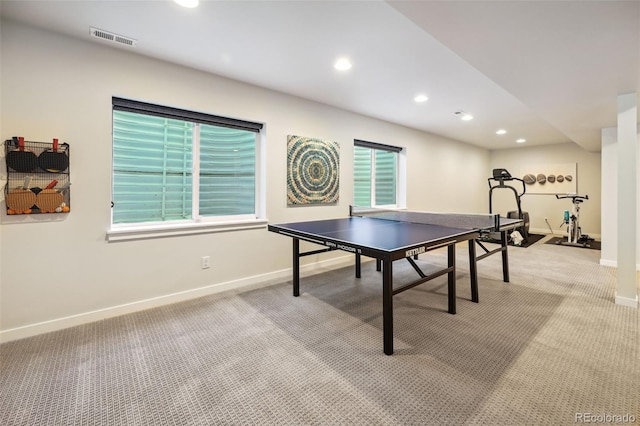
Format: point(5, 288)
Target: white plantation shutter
point(375, 174)
point(362, 177)
point(151, 168)
point(227, 171)
point(385, 177)
point(154, 158)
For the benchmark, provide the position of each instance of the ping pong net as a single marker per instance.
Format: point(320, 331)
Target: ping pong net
point(487, 222)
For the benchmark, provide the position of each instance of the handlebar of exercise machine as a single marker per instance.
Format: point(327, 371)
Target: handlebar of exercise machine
point(574, 198)
point(501, 176)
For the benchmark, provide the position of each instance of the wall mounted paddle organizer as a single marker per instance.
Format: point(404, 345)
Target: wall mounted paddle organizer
point(37, 177)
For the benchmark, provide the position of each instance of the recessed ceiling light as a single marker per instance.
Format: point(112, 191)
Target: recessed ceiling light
point(463, 115)
point(421, 98)
point(187, 3)
point(521, 140)
point(501, 132)
point(342, 64)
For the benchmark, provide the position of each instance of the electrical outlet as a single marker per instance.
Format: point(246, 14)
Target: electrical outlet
point(206, 262)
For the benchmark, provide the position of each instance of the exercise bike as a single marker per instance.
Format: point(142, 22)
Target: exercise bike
point(498, 181)
point(575, 237)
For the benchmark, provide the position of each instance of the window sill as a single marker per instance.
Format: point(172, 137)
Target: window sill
point(129, 233)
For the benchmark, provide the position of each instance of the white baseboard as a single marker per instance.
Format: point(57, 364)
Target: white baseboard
point(607, 262)
point(541, 231)
point(243, 284)
point(625, 301)
point(614, 263)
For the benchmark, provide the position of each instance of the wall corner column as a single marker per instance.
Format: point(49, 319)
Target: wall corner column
point(627, 275)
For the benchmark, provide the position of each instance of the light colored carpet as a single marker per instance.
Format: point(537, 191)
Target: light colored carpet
point(543, 349)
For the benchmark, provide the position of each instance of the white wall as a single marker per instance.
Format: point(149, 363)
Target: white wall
point(59, 273)
point(540, 206)
point(609, 252)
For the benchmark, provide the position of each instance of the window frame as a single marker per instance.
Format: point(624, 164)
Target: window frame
point(400, 179)
point(198, 224)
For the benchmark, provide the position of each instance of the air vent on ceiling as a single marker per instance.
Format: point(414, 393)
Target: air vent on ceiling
point(114, 38)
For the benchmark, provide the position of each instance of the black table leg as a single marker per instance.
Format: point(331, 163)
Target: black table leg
point(378, 265)
point(358, 267)
point(473, 270)
point(387, 307)
point(451, 249)
point(505, 258)
point(296, 267)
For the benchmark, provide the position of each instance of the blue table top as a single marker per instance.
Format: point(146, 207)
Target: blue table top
point(373, 233)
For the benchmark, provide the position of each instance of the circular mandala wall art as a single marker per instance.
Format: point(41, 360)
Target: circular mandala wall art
point(313, 169)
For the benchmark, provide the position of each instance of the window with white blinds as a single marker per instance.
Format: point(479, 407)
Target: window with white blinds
point(375, 172)
point(172, 165)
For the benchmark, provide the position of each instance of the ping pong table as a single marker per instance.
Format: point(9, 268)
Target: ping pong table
point(390, 235)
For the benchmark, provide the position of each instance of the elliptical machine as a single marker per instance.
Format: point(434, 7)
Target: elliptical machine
point(500, 176)
point(575, 237)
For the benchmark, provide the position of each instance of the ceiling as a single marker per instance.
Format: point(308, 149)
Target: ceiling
point(549, 71)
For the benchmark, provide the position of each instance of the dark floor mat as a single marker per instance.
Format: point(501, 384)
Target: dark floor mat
point(595, 245)
point(532, 239)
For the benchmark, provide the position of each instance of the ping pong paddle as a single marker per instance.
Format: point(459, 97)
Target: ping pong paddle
point(20, 159)
point(52, 160)
point(49, 199)
point(36, 190)
point(21, 200)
